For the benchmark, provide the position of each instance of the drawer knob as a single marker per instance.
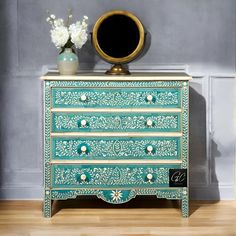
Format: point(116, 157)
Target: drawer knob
point(83, 122)
point(83, 148)
point(83, 177)
point(149, 123)
point(150, 148)
point(150, 98)
point(149, 177)
point(83, 98)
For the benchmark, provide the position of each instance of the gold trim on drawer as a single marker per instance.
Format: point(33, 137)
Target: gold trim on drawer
point(116, 161)
point(141, 110)
point(116, 134)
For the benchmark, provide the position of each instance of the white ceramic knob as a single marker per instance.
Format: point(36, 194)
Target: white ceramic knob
point(83, 148)
point(83, 98)
point(83, 122)
point(150, 98)
point(149, 122)
point(149, 148)
point(83, 177)
point(149, 176)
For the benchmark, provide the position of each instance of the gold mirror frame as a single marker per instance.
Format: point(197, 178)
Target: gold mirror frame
point(118, 68)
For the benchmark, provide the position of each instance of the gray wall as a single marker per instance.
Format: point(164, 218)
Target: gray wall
point(197, 36)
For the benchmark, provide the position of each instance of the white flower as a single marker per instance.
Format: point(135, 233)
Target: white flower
point(60, 36)
point(78, 34)
point(58, 22)
point(84, 24)
point(116, 195)
point(61, 33)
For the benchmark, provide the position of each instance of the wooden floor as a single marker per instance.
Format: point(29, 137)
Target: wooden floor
point(141, 216)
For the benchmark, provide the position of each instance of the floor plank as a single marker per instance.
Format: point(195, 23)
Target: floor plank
point(141, 216)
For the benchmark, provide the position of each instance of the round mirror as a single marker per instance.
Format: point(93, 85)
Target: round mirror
point(118, 37)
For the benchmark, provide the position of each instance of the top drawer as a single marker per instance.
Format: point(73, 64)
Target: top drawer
point(116, 98)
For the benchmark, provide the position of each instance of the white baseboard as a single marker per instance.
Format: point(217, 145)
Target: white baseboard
point(212, 193)
point(21, 193)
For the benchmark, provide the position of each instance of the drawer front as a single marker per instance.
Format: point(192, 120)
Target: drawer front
point(116, 98)
point(117, 148)
point(110, 176)
point(116, 122)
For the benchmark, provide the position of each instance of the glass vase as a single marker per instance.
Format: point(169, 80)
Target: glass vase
point(67, 62)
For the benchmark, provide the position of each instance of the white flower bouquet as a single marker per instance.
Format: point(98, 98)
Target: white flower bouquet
point(66, 35)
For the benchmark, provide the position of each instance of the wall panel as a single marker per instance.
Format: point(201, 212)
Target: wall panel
point(183, 34)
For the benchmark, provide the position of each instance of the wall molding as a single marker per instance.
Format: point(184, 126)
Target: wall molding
point(203, 81)
point(211, 79)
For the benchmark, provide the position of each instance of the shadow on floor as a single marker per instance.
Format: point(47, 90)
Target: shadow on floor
point(147, 202)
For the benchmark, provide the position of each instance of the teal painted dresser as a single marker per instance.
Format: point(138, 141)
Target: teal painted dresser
point(116, 137)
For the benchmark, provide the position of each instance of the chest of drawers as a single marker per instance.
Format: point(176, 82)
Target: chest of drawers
point(116, 137)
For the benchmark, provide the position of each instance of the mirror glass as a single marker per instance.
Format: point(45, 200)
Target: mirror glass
point(118, 36)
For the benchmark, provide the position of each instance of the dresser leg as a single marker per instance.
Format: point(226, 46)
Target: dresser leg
point(47, 206)
point(185, 207)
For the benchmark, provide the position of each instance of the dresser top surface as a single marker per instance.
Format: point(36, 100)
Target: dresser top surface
point(136, 76)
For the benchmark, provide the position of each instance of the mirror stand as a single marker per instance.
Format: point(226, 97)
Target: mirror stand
point(118, 69)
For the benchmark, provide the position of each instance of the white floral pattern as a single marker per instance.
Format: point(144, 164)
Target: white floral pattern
point(116, 195)
point(113, 148)
point(118, 176)
point(110, 175)
point(102, 122)
point(106, 98)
